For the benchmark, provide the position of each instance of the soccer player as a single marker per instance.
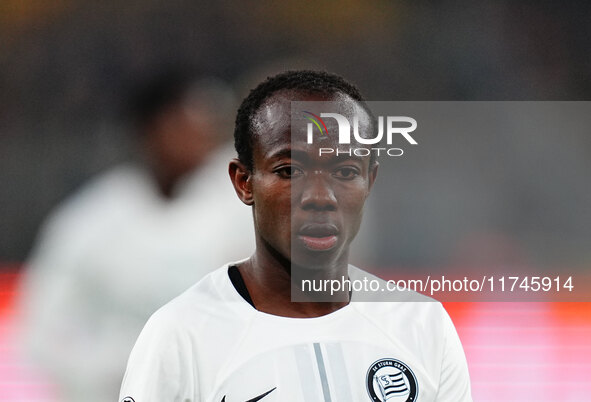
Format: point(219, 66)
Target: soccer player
point(238, 336)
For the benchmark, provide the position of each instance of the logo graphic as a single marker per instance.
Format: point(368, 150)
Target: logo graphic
point(388, 128)
point(345, 128)
point(256, 398)
point(390, 380)
point(317, 121)
point(128, 399)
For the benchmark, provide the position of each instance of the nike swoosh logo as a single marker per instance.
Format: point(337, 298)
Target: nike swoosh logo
point(256, 398)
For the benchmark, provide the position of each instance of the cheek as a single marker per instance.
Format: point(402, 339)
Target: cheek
point(272, 204)
point(352, 201)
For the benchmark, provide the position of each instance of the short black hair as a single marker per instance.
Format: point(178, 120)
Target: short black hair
point(308, 81)
point(153, 95)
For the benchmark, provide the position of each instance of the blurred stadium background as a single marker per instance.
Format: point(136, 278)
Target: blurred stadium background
point(66, 67)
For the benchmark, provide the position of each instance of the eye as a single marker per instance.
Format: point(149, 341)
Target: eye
point(288, 172)
point(346, 172)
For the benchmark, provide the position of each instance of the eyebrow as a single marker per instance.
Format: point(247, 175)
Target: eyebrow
point(282, 153)
point(290, 153)
point(305, 157)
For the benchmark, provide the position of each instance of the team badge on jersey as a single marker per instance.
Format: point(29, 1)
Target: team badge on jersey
point(390, 380)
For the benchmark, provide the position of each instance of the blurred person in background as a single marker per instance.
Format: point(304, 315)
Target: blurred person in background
point(134, 237)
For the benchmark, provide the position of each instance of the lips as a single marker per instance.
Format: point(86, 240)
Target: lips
point(318, 237)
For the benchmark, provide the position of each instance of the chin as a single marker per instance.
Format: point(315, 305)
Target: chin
point(313, 261)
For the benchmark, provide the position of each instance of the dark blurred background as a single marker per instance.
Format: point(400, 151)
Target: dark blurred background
point(66, 68)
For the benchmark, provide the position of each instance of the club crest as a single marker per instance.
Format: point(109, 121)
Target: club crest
point(390, 380)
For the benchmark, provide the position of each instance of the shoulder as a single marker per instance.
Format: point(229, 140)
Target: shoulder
point(103, 199)
point(414, 322)
point(376, 289)
point(124, 177)
point(207, 301)
point(100, 194)
point(393, 306)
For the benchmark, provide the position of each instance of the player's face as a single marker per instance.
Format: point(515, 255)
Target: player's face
point(307, 207)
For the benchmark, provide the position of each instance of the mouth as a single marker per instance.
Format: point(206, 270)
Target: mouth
point(318, 237)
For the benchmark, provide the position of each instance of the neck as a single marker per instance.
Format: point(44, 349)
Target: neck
point(268, 278)
point(166, 186)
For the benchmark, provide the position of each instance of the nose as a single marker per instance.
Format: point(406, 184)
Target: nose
point(318, 194)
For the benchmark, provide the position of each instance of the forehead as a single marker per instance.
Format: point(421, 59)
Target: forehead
point(275, 127)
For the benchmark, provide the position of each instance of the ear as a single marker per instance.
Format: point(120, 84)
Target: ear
point(373, 173)
point(241, 179)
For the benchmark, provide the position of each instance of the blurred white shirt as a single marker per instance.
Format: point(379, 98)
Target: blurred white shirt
point(113, 254)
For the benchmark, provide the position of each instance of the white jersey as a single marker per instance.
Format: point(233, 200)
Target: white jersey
point(211, 345)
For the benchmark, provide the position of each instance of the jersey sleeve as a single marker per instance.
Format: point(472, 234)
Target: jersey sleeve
point(159, 367)
point(454, 381)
